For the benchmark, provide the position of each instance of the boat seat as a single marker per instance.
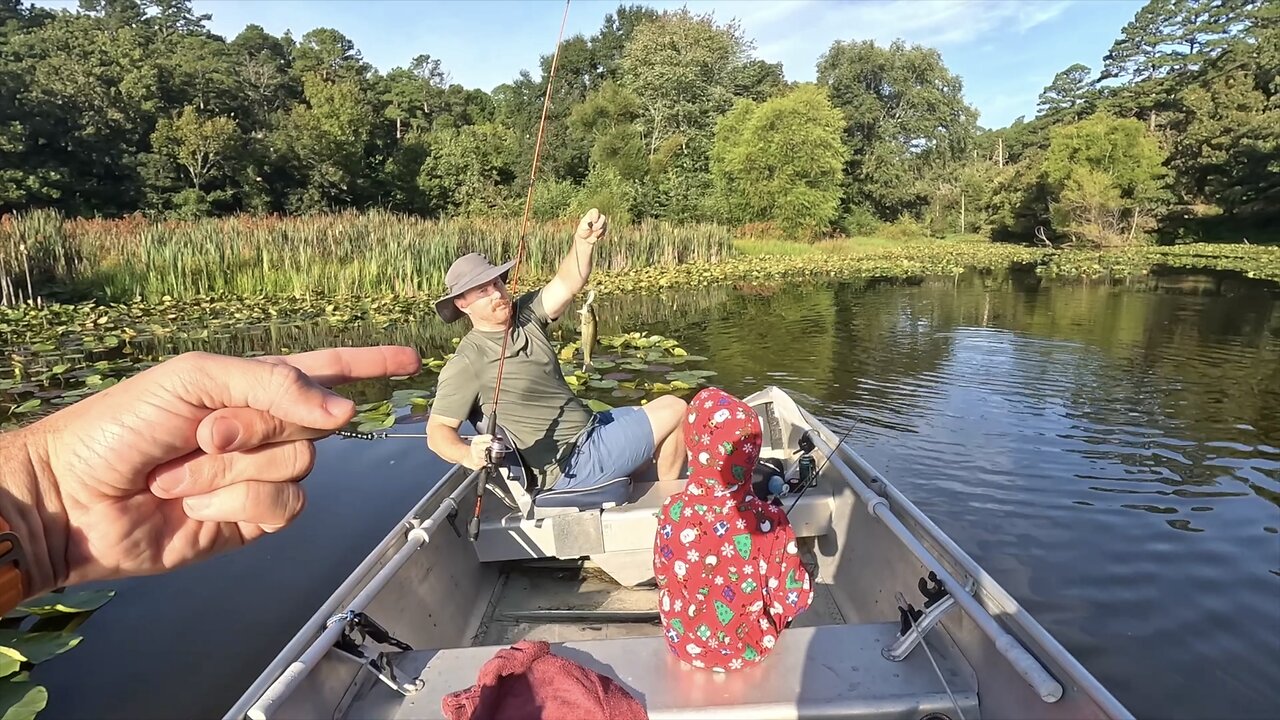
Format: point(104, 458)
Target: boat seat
point(603, 495)
point(824, 671)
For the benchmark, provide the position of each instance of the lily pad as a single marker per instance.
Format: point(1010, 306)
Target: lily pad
point(603, 384)
point(27, 406)
point(36, 647)
point(619, 376)
point(598, 406)
point(73, 602)
point(630, 393)
point(22, 700)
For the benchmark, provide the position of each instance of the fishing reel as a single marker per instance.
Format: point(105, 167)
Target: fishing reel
point(775, 485)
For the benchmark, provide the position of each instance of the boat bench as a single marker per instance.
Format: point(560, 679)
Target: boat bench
point(618, 538)
point(827, 671)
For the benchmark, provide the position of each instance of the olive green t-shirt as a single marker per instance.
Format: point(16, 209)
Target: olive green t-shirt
point(538, 410)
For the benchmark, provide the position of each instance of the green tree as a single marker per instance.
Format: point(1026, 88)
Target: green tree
point(469, 170)
point(683, 68)
point(325, 140)
point(200, 145)
point(1108, 179)
point(781, 161)
point(1070, 96)
point(905, 118)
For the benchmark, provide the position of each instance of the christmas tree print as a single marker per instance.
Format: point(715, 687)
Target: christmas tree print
point(743, 543)
point(792, 582)
point(675, 510)
point(723, 613)
point(677, 626)
point(751, 654)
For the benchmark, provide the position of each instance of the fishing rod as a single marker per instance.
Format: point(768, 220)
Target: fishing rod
point(490, 466)
point(812, 480)
point(375, 435)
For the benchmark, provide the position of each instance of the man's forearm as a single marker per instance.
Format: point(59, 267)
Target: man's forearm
point(448, 444)
point(575, 268)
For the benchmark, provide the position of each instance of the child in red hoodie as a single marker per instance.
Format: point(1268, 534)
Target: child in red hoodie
point(726, 563)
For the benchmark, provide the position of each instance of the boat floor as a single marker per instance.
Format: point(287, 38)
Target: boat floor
point(826, 666)
point(564, 602)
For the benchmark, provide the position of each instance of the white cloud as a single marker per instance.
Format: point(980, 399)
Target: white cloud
point(799, 31)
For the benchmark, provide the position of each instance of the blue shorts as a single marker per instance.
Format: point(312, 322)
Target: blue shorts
point(616, 444)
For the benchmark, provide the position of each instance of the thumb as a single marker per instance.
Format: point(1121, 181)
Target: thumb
point(285, 392)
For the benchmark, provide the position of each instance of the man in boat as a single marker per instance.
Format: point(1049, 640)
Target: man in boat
point(562, 441)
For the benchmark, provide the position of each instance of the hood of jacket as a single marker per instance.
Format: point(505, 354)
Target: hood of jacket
point(723, 436)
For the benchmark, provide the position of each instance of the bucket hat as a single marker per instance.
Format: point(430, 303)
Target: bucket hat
point(469, 271)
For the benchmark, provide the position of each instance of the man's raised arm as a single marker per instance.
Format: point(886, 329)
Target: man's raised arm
point(575, 268)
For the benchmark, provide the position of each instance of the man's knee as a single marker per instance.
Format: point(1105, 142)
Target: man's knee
point(666, 413)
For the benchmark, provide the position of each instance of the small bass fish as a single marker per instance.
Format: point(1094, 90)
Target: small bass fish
point(588, 329)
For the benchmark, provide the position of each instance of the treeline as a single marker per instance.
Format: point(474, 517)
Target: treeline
point(134, 105)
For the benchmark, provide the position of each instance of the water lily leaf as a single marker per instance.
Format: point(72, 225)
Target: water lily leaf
point(27, 406)
point(680, 385)
point(603, 384)
point(619, 376)
point(379, 407)
point(602, 364)
point(567, 351)
point(59, 369)
point(73, 602)
point(408, 394)
point(694, 358)
point(660, 368)
point(36, 647)
point(630, 393)
point(8, 665)
point(679, 352)
point(375, 425)
point(420, 403)
point(43, 347)
point(22, 700)
point(598, 406)
point(661, 387)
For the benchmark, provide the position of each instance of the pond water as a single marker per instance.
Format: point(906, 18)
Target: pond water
point(1111, 455)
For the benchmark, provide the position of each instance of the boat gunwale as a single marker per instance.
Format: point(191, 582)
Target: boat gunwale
point(946, 550)
point(852, 466)
point(361, 577)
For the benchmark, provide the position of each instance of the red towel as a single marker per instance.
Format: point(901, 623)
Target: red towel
point(527, 682)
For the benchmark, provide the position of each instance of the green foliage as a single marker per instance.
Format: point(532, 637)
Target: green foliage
point(24, 644)
point(607, 190)
point(1108, 178)
point(780, 161)
point(185, 124)
point(905, 118)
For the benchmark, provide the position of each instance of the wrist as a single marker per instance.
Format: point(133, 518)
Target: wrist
point(31, 505)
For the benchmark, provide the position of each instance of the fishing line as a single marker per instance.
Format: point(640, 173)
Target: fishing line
point(818, 472)
point(524, 223)
point(474, 527)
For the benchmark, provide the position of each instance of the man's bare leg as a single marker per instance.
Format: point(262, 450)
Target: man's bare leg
point(666, 418)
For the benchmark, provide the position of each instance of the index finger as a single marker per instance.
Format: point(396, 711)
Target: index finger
point(336, 366)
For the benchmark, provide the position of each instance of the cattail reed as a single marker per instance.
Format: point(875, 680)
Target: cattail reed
point(345, 253)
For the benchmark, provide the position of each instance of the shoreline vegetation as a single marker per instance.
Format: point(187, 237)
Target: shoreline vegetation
point(48, 260)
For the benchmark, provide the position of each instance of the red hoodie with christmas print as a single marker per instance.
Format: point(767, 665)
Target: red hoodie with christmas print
point(726, 563)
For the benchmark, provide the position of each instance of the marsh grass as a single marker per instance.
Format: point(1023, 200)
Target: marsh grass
point(346, 253)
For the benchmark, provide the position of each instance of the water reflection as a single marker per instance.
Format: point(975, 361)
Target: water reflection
point(1111, 456)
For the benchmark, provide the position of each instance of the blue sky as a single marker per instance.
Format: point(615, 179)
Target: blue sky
point(1005, 51)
